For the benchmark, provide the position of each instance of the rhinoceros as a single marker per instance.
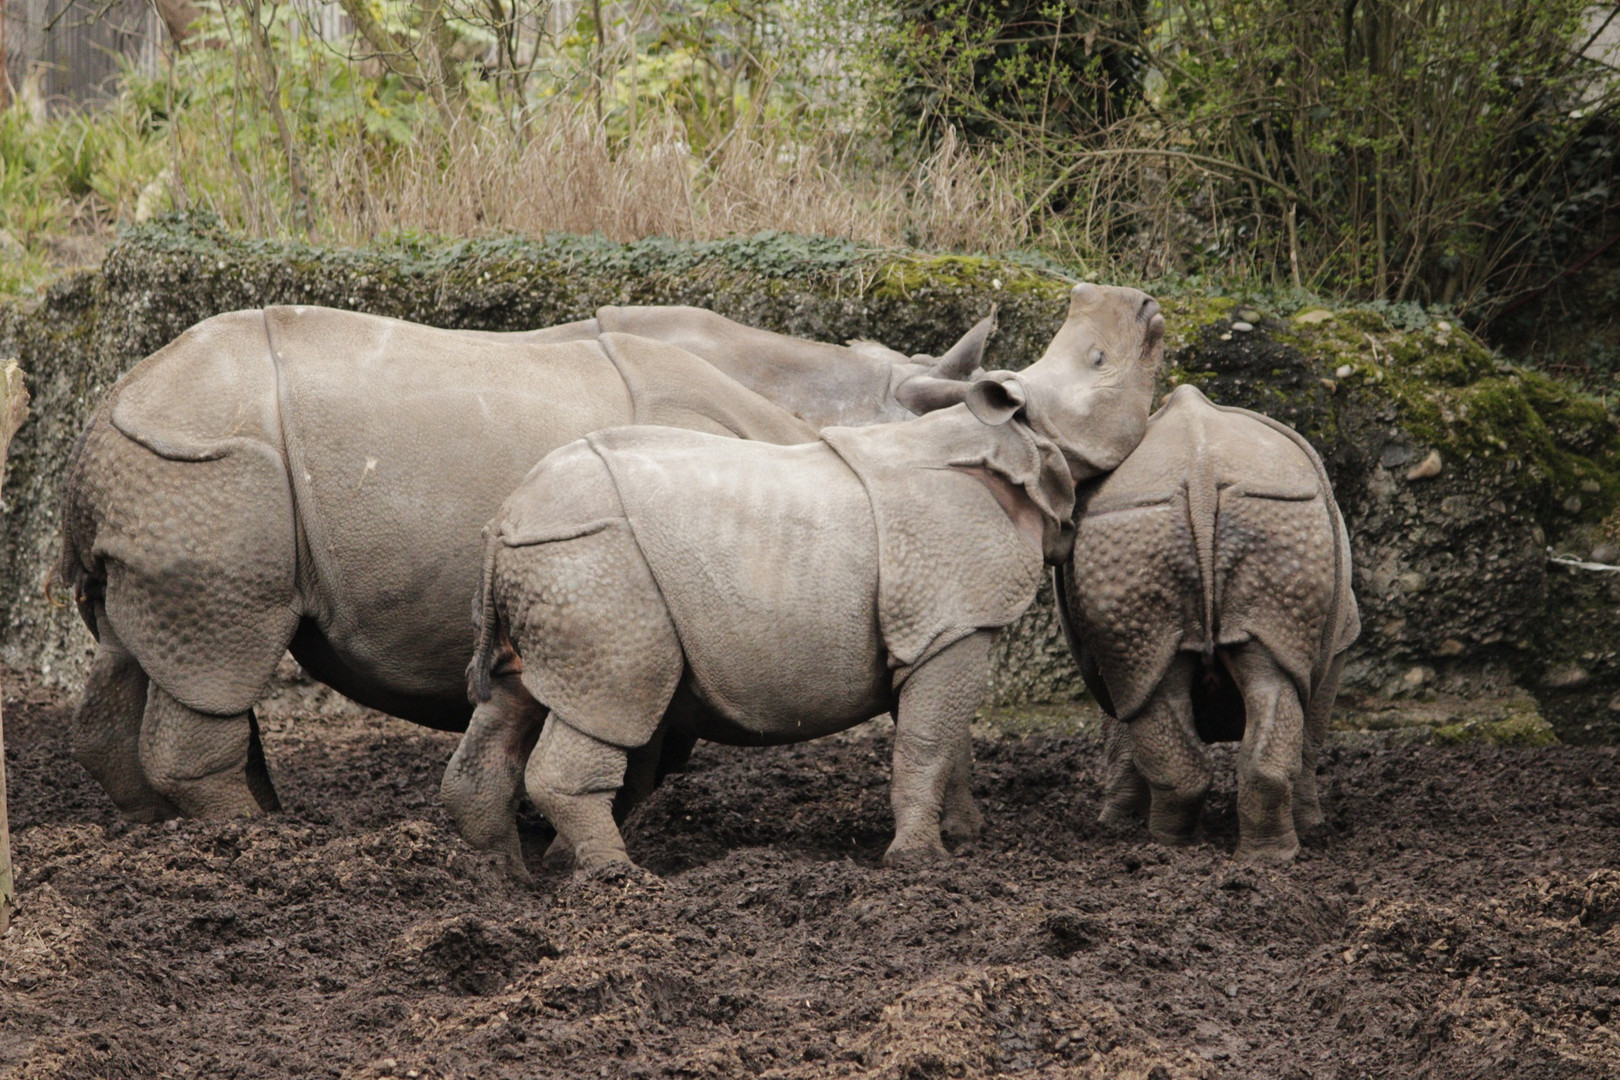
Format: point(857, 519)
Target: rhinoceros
point(645, 582)
point(304, 478)
point(1208, 600)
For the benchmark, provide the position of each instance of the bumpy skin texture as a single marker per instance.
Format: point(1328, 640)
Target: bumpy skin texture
point(317, 479)
point(755, 578)
point(661, 581)
point(1209, 599)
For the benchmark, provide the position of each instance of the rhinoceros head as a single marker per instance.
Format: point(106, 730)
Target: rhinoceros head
point(1091, 391)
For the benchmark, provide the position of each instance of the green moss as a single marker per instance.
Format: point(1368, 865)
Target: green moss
point(1520, 729)
point(1186, 316)
point(904, 277)
point(1557, 443)
point(1508, 721)
point(1066, 718)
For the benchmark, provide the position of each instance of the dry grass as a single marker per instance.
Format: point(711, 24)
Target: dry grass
point(565, 175)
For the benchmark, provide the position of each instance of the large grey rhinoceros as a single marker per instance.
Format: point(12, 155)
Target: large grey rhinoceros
point(312, 479)
point(645, 582)
point(1209, 600)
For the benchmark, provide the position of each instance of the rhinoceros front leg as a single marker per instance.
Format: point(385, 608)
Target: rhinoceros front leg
point(573, 778)
point(1170, 756)
point(105, 735)
point(644, 770)
point(931, 726)
point(1126, 795)
point(962, 820)
point(483, 783)
point(1270, 758)
point(208, 766)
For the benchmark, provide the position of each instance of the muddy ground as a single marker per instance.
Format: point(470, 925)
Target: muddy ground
point(1460, 918)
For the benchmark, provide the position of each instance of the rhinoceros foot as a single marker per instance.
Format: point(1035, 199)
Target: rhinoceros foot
point(1268, 853)
point(961, 824)
point(558, 856)
point(913, 858)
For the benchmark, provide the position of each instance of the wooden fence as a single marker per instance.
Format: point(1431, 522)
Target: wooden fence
point(65, 53)
point(61, 54)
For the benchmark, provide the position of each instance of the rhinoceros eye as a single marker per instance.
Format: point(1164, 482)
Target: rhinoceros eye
point(1098, 357)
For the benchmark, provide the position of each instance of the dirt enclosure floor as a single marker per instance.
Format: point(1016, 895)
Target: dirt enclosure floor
point(1460, 918)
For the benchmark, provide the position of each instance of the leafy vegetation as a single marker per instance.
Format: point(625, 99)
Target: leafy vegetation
point(1415, 153)
point(1450, 152)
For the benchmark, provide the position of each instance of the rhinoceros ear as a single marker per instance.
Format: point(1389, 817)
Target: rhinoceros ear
point(925, 393)
point(967, 355)
point(996, 398)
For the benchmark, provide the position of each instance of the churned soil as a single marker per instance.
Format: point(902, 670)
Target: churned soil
point(1460, 917)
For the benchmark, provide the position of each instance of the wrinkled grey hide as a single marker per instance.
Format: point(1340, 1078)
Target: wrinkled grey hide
point(645, 584)
point(849, 385)
point(316, 479)
point(1209, 599)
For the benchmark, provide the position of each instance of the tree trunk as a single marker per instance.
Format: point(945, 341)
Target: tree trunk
point(178, 16)
point(13, 408)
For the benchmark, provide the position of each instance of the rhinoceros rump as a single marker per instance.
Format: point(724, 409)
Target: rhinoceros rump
point(317, 479)
point(1209, 600)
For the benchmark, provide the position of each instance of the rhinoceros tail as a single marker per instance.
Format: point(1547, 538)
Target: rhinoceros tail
point(71, 573)
point(1203, 501)
point(486, 622)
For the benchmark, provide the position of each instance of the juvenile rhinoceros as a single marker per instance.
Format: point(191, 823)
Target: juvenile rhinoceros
point(651, 581)
point(312, 479)
point(1209, 600)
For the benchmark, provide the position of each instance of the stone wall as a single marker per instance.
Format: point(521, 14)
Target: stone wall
point(1455, 589)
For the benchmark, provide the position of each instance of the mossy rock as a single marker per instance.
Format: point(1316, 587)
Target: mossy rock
point(1451, 571)
point(1527, 730)
point(1511, 720)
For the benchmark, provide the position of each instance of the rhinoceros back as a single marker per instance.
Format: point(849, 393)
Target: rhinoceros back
point(767, 561)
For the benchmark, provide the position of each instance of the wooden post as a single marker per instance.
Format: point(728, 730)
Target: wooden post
point(13, 408)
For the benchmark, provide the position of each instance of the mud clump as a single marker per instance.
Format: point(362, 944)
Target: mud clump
point(1458, 917)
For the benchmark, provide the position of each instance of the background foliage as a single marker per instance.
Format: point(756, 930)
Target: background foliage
point(1458, 153)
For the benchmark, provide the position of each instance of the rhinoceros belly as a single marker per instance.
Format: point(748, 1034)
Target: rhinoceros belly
point(767, 560)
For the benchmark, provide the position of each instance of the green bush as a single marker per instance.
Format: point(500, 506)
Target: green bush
point(1441, 151)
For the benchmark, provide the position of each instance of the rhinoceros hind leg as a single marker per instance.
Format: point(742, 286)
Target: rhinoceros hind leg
point(201, 763)
point(1126, 795)
point(646, 768)
point(105, 734)
point(1171, 757)
point(1270, 758)
point(1308, 815)
point(483, 783)
point(572, 778)
point(931, 727)
point(644, 771)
